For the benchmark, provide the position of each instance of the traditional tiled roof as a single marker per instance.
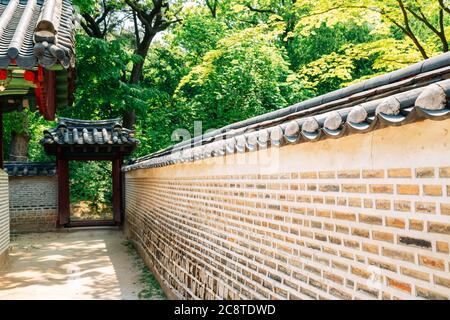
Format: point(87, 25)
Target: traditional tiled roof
point(89, 133)
point(30, 169)
point(420, 91)
point(36, 32)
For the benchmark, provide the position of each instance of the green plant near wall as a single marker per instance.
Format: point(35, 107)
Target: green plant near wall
point(90, 181)
point(152, 289)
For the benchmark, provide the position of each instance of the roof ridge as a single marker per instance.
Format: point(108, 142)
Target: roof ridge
point(69, 121)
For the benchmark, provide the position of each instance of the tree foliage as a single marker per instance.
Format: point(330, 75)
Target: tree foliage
point(170, 63)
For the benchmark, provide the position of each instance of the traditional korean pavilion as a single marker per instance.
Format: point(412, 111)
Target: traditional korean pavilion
point(36, 57)
point(85, 140)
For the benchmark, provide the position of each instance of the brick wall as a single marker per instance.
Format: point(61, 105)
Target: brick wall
point(361, 217)
point(33, 203)
point(4, 217)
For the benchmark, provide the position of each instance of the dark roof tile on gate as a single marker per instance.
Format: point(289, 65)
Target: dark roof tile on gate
point(36, 32)
point(89, 132)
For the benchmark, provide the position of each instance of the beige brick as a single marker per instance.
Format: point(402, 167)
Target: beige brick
point(308, 175)
point(427, 172)
point(431, 262)
point(360, 232)
point(323, 213)
point(339, 265)
point(399, 173)
point(344, 216)
point(415, 274)
point(415, 225)
point(329, 187)
point(382, 236)
point(441, 281)
point(383, 204)
point(317, 199)
point(395, 222)
point(360, 272)
point(442, 246)
point(340, 294)
point(428, 294)
point(445, 209)
point(354, 202)
point(398, 254)
point(444, 172)
point(308, 293)
point(370, 219)
point(386, 296)
point(354, 188)
point(368, 290)
point(351, 243)
point(342, 229)
point(333, 277)
point(403, 286)
point(368, 203)
point(327, 174)
point(401, 205)
point(347, 174)
point(370, 174)
point(372, 248)
point(317, 284)
point(381, 188)
point(432, 190)
point(408, 189)
point(383, 265)
point(426, 207)
point(436, 227)
point(342, 201)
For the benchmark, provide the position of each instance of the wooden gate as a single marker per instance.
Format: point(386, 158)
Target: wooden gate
point(83, 140)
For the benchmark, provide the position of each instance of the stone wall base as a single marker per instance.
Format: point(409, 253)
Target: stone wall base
point(23, 222)
point(4, 257)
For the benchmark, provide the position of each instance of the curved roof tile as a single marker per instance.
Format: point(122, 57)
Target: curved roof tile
point(36, 32)
point(431, 101)
point(89, 132)
point(30, 169)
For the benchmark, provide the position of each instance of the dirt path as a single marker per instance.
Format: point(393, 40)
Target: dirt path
point(78, 264)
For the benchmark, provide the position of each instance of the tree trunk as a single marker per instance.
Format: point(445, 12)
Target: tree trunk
point(19, 147)
point(142, 51)
point(129, 116)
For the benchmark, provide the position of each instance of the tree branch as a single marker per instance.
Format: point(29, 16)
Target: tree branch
point(260, 10)
point(212, 6)
point(442, 27)
point(446, 9)
point(410, 33)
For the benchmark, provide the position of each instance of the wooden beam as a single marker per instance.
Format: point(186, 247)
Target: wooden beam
point(117, 189)
point(50, 94)
point(91, 223)
point(87, 158)
point(63, 192)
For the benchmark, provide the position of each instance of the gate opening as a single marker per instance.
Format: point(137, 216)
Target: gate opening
point(90, 185)
point(89, 144)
